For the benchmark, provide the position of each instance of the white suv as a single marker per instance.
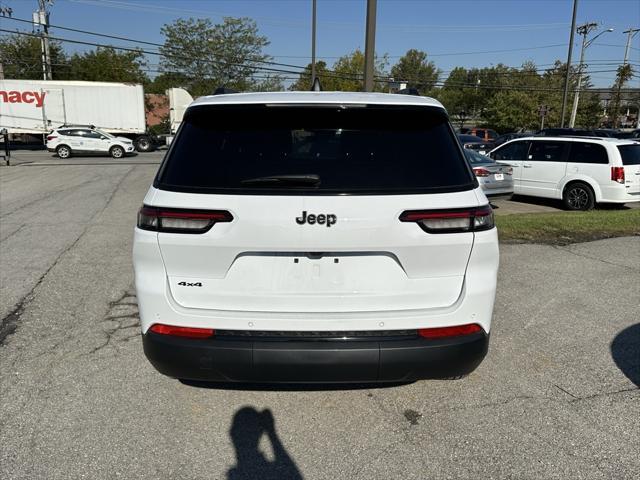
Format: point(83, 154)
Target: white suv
point(580, 171)
point(315, 237)
point(70, 140)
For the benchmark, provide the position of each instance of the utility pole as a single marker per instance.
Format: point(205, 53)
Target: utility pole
point(584, 31)
point(566, 78)
point(41, 18)
point(542, 111)
point(1, 70)
point(370, 46)
point(630, 34)
point(313, 42)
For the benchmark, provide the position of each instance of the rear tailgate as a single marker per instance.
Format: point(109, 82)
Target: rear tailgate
point(361, 165)
point(367, 261)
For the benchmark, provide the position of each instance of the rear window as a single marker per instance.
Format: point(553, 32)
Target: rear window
point(630, 154)
point(352, 150)
point(588, 153)
point(476, 158)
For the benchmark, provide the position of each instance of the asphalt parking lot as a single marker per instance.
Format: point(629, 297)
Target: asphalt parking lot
point(557, 396)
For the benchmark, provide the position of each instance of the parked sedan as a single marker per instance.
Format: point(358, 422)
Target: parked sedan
point(476, 144)
point(494, 178)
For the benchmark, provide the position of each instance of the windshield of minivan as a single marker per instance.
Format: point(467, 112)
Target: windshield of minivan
point(354, 149)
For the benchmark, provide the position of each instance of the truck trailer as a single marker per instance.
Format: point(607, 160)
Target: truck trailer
point(35, 107)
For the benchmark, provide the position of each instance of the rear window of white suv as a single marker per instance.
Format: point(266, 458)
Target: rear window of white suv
point(320, 149)
point(630, 154)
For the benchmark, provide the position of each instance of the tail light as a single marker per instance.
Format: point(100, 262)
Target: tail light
point(456, 331)
point(508, 170)
point(51, 137)
point(174, 220)
point(481, 172)
point(451, 221)
point(188, 332)
point(617, 174)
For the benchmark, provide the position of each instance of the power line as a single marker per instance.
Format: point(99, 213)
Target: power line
point(441, 84)
point(149, 52)
point(115, 37)
point(266, 62)
point(303, 69)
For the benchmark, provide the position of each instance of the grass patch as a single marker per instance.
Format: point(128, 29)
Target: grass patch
point(563, 228)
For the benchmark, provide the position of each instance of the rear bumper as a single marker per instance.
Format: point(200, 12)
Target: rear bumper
point(499, 191)
point(295, 361)
point(620, 194)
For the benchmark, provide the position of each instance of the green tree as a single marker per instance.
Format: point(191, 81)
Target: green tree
point(346, 75)
point(304, 80)
point(454, 95)
point(512, 110)
point(21, 57)
point(589, 112)
point(167, 80)
point(414, 68)
point(623, 75)
point(108, 65)
point(213, 55)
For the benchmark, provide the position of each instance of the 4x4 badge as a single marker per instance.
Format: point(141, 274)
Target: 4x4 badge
point(327, 219)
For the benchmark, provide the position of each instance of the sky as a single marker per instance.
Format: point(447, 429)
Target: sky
point(454, 33)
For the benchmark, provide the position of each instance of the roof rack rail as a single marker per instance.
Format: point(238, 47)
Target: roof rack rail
point(81, 125)
point(409, 91)
point(224, 91)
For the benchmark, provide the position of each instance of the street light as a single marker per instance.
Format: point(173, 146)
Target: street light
point(584, 31)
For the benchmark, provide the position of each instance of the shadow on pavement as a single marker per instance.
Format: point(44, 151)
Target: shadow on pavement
point(545, 202)
point(625, 350)
point(247, 429)
point(557, 204)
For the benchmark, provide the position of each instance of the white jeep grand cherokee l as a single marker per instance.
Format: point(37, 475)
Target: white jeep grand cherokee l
point(315, 237)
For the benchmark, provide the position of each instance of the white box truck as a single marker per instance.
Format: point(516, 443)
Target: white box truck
point(38, 106)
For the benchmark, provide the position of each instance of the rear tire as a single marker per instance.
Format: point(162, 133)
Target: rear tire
point(116, 152)
point(63, 152)
point(578, 196)
point(144, 144)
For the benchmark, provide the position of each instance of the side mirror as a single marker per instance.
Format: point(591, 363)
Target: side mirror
point(102, 137)
point(491, 155)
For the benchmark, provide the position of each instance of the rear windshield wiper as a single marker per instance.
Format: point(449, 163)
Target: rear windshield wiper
point(284, 180)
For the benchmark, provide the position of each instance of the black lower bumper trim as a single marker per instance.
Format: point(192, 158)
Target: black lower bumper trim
point(265, 361)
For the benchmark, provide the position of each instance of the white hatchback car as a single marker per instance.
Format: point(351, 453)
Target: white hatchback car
point(580, 171)
point(69, 140)
point(315, 237)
